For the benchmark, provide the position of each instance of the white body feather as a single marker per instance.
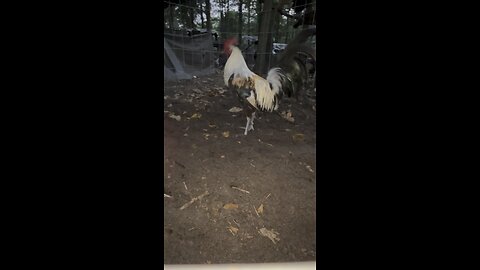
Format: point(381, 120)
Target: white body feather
point(265, 96)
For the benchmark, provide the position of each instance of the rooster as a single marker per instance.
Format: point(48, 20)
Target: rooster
point(286, 78)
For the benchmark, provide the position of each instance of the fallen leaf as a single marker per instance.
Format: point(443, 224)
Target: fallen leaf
point(176, 117)
point(230, 206)
point(196, 116)
point(309, 168)
point(232, 229)
point(288, 116)
point(226, 134)
point(271, 234)
point(235, 109)
point(260, 209)
point(298, 137)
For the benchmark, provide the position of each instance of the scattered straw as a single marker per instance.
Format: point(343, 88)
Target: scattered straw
point(194, 200)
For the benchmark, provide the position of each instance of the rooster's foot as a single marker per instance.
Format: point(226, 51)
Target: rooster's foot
point(249, 125)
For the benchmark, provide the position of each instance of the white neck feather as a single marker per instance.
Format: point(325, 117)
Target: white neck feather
point(236, 64)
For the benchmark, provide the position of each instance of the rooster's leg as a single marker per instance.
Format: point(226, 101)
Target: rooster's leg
point(247, 127)
point(253, 118)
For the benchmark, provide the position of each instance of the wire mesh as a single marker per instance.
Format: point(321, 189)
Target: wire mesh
point(186, 20)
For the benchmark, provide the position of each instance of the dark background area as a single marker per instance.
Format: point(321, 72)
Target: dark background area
point(89, 130)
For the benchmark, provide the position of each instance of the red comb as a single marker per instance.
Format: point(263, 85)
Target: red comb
point(232, 40)
point(228, 43)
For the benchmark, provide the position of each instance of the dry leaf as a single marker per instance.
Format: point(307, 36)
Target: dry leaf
point(226, 134)
point(235, 109)
point(176, 117)
point(260, 209)
point(232, 229)
point(309, 168)
point(196, 116)
point(272, 235)
point(288, 116)
point(298, 137)
point(230, 206)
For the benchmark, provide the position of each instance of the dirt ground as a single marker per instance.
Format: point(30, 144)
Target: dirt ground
point(258, 202)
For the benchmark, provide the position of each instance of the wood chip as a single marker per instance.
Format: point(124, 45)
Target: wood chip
point(194, 200)
point(230, 206)
point(270, 234)
point(255, 210)
point(235, 109)
point(233, 230)
point(260, 209)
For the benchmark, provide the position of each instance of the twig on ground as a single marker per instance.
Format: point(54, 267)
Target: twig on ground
point(167, 196)
point(179, 164)
point(242, 190)
point(255, 210)
point(194, 200)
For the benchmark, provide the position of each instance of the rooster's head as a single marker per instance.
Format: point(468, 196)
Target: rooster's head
point(227, 45)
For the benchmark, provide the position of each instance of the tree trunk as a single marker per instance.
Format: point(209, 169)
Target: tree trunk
point(201, 15)
point(226, 18)
point(249, 2)
point(207, 11)
point(170, 18)
point(264, 49)
point(191, 13)
point(277, 16)
point(222, 21)
point(259, 14)
point(240, 21)
point(308, 19)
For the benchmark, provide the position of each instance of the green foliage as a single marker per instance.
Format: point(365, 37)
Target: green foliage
point(226, 22)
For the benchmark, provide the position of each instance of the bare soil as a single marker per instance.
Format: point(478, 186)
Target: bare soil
point(273, 168)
